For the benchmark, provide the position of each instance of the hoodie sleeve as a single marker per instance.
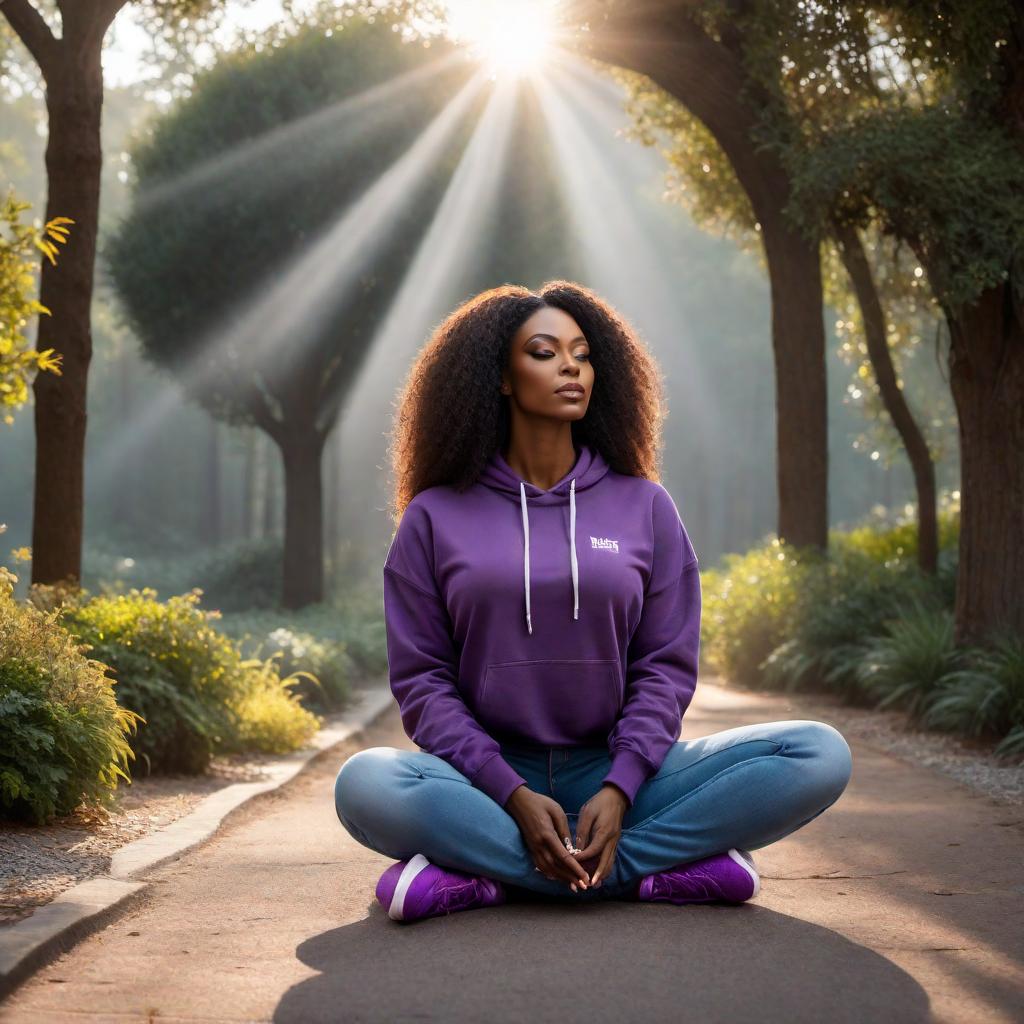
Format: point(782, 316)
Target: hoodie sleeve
point(662, 655)
point(423, 664)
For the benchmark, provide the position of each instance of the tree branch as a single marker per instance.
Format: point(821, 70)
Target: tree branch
point(87, 24)
point(32, 30)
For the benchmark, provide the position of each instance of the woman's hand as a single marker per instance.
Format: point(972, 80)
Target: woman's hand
point(545, 828)
point(598, 829)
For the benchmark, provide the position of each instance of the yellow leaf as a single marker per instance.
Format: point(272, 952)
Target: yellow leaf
point(47, 361)
point(47, 248)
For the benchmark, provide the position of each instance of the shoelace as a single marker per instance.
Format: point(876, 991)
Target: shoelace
point(693, 883)
point(460, 897)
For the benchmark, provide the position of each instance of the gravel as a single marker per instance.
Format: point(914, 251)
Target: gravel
point(38, 862)
point(967, 760)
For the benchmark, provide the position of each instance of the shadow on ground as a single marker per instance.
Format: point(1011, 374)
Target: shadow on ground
point(616, 961)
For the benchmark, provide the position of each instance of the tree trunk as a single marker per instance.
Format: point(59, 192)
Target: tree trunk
point(303, 579)
point(801, 394)
point(856, 262)
point(266, 493)
point(987, 380)
point(211, 504)
point(249, 486)
point(74, 100)
point(332, 529)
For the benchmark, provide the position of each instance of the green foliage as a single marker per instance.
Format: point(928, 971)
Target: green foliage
point(864, 622)
point(749, 606)
point(918, 173)
point(328, 683)
point(896, 116)
point(233, 577)
point(18, 245)
point(904, 666)
point(985, 697)
point(243, 575)
point(198, 694)
point(62, 733)
point(850, 596)
point(335, 641)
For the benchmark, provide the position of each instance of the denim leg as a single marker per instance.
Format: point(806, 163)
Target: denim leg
point(401, 802)
point(744, 787)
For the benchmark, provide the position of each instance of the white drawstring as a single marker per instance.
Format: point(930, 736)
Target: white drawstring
point(526, 553)
point(572, 551)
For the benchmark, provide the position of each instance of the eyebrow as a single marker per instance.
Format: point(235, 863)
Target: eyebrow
point(551, 337)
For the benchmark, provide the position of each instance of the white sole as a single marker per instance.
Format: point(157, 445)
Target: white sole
point(405, 879)
point(749, 868)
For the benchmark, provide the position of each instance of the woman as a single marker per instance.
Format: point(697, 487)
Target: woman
point(542, 605)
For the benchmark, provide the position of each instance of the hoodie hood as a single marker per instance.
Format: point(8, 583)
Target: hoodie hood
point(589, 467)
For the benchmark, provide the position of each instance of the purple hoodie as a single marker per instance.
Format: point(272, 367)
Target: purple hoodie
point(567, 617)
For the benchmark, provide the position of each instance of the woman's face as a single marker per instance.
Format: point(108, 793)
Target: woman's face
point(547, 353)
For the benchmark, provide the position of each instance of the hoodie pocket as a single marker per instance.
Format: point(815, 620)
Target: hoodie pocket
point(555, 703)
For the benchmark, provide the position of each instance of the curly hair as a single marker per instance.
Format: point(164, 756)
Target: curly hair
point(451, 416)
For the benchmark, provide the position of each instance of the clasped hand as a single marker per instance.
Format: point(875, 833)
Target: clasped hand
point(545, 828)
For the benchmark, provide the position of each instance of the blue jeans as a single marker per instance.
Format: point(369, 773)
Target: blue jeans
point(744, 787)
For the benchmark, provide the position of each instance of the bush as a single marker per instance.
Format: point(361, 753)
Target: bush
point(845, 600)
point(62, 732)
point(904, 667)
point(336, 642)
point(985, 697)
point(233, 577)
point(247, 574)
point(864, 621)
point(749, 607)
point(188, 680)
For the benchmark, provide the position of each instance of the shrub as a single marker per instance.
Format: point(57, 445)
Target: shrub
point(62, 732)
point(986, 695)
point(846, 600)
point(187, 678)
point(233, 577)
point(271, 718)
point(335, 641)
point(242, 575)
point(748, 608)
point(904, 667)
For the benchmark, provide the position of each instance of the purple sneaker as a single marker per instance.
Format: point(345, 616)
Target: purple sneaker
point(726, 877)
point(413, 889)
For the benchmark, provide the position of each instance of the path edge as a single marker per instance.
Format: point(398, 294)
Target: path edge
point(78, 912)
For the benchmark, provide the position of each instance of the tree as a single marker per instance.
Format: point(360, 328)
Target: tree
point(702, 180)
point(695, 53)
point(225, 213)
point(935, 157)
point(71, 69)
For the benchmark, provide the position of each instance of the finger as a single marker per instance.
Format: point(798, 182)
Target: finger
point(548, 857)
point(605, 867)
point(583, 828)
point(543, 862)
point(597, 844)
point(564, 832)
point(565, 863)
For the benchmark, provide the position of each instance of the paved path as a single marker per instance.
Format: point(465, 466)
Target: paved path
point(903, 902)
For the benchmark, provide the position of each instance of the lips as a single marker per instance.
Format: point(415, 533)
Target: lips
point(575, 389)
